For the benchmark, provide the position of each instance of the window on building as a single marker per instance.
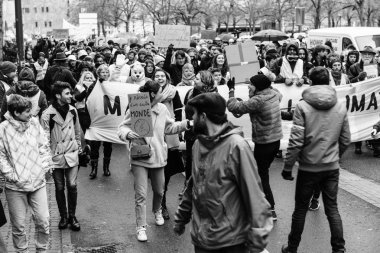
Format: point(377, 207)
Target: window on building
point(36, 24)
point(35, 9)
point(47, 9)
point(45, 24)
point(49, 23)
point(42, 9)
point(26, 10)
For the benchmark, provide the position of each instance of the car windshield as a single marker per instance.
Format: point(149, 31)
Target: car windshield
point(369, 40)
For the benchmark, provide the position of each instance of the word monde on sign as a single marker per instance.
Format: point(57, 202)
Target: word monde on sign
point(141, 114)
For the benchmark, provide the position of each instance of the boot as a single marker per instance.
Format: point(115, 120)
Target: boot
point(106, 167)
point(94, 169)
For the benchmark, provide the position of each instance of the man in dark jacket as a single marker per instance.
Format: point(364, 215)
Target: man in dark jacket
point(224, 196)
point(175, 70)
point(319, 137)
point(263, 107)
point(58, 72)
point(8, 72)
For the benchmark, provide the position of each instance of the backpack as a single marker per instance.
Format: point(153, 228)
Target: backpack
point(52, 122)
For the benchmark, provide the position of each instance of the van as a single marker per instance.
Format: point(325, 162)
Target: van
point(342, 37)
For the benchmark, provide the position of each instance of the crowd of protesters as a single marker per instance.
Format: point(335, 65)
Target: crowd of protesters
point(46, 100)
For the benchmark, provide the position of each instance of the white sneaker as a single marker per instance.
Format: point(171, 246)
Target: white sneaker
point(141, 235)
point(159, 219)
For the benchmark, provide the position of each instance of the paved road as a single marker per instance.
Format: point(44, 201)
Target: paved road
point(106, 212)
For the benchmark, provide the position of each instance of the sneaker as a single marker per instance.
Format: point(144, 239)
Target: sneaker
point(285, 249)
point(165, 213)
point(141, 234)
point(274, 215)
point(158, 217)
point(314, 205)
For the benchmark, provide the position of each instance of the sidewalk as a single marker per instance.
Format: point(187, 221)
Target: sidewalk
point(59, 241)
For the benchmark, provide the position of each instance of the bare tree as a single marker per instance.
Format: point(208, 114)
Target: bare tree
point(282, 8)
point(160, 10)
point(188, 10)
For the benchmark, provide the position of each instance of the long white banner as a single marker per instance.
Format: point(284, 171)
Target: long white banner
point(108, 102)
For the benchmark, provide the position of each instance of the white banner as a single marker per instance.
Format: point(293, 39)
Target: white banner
point(108, 102)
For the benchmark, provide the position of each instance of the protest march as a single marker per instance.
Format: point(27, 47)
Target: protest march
point(233, 120)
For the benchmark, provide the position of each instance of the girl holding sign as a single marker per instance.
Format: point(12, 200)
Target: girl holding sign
point(153, 165)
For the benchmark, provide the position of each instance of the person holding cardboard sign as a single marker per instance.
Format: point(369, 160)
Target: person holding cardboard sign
point(153, 164)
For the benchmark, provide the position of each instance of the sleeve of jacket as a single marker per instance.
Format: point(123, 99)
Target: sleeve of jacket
point(44, 150)
point(168, 59)
point(125, 127)
point(6, 167)
point(243, 107)
point(43, 104)
point(345, 136)
point(257, 207)
point(352, 74)
point(44, 121)
point(77, 132)
point(172, 126)
point(177, 106)
point(296, 140)
point(184, 210)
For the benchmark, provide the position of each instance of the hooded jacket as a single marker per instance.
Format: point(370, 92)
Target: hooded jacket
point(24, 154)
point(264, 111)
point(347, 63)
point(30, 91)
point(320, 133)
point(284, 68)
point(224, 197)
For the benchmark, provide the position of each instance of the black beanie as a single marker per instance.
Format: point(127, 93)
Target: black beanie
point(260, 81)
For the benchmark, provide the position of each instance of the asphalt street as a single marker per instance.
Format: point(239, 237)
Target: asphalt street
point(106, 213)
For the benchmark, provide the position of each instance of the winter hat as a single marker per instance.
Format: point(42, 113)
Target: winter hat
point(211, 103)
point(72, 58)
point(158, 58)
point(319, 76)
point(142, 51)
point(260, 81)
point(7, 67)
point(81, 54)
point(333, 60)
point(26, 74)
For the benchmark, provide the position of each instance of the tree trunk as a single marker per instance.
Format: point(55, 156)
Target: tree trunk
point(126, 26)
point(329, 18)
point(103, 28)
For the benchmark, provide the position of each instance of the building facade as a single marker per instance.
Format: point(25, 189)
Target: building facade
point(38, 16)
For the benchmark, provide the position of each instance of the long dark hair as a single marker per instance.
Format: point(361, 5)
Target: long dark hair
point(224, 68)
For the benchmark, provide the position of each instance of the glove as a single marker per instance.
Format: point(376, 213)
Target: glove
point(171, 47)
point(178, 229)
point(231, 83)
point(374, 132)
point(288, 81)
point(287, 175)
point(362, 76)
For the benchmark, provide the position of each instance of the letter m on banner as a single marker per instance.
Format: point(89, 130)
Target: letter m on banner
point(108, 106)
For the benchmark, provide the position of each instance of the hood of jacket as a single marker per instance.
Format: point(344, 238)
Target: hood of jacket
point(291, 45)
point(321, 97)
point(26, 88)
point(209, 142)
point(20, 126)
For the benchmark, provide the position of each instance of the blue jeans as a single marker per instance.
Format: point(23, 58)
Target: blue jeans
point(157, 179)
point(18, 203)
point(328, 183)
point(69, 176)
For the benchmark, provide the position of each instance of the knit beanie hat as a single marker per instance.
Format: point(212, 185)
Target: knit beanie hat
point(26, 74)
point(142, 51)
point(7, 67)
point(260, 81)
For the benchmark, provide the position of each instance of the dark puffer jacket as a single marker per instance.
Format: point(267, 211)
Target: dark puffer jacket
point(264, 110)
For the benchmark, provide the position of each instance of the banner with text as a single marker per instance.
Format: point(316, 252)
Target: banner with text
point(178, 35)
point(361, 100)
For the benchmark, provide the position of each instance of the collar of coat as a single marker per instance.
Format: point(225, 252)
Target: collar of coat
point(58, 118)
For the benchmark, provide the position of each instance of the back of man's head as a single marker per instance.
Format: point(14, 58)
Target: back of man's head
point(319, 76)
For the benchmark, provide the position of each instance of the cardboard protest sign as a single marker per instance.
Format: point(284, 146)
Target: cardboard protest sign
point(371, 71)
point(208, 34)
point(141, 114)
point(60, 34)
point(242, 61)
point(178, 35)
